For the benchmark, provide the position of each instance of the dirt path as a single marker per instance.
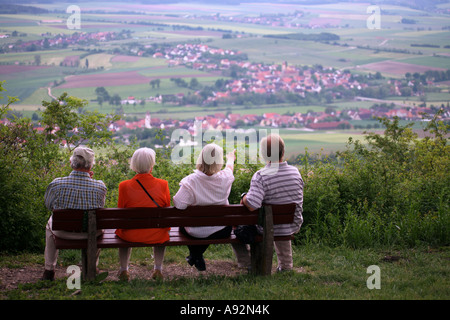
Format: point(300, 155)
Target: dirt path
point(49, 91)
point(11, 278)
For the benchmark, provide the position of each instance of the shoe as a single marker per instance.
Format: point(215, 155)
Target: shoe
point(190, 260)
point(48, 275)
point(199, 263)
point(280, 270)
point(124, 276)
point(157, 275)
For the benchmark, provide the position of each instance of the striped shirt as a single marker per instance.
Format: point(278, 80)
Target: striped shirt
point(76, 191)
point(278, 184)
point(199, 189)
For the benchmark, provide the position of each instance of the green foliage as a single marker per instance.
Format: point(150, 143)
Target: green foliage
point(66, 122)
point(391, 190)
point(30, 160)
point(23, 164)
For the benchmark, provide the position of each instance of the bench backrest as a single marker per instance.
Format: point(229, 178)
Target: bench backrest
point(138, 218)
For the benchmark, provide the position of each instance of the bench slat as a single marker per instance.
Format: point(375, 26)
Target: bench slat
point(140, 223)
point(110, 240)
point(136, 218)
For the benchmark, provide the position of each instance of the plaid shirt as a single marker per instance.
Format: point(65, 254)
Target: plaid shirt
point(77, 191)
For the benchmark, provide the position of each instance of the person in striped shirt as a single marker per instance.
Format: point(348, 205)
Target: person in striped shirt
point(76, 191)
point(277, 183)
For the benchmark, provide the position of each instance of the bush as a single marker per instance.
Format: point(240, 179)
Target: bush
point(30, 160)
point(391, 190)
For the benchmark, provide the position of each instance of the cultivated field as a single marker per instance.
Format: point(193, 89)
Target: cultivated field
point(119, 66)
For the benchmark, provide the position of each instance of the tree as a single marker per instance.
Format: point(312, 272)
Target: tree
point(155, 83)
point(37, 59)
point(102, 94)
point(406, 91)
point(46, 43)
point(65, 124)
point(194, 84)
point(25, 158)
point(115, 99)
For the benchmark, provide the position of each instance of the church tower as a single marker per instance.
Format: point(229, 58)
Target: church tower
point(148, 121)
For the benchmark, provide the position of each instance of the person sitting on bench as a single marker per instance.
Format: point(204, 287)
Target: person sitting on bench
point(143, 190)
point(277, 183)
point(76, 191)
point(208, 185)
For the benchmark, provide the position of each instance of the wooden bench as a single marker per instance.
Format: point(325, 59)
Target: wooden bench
point(109, 219)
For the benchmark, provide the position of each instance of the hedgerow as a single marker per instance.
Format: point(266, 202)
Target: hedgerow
point(391, 189)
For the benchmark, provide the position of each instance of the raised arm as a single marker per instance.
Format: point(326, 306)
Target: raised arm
point(231, 157)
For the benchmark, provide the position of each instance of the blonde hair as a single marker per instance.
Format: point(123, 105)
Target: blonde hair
point(143, 160)
point(210, 160)
point(272, 148)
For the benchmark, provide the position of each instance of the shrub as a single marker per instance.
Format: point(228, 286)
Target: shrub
point(30, 160)
point(391, 190)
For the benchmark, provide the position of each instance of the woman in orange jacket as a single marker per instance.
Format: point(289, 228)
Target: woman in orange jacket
point(143, 190)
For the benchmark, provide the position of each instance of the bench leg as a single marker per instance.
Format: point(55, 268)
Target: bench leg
point(262, 255)
point(89, 255)
point(84, 264)
point(262, 252)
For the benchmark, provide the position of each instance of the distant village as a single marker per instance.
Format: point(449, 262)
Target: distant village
point(309, 121)
point(57, 41)
point(251, 79)
point(255, 77)
point(269, 80)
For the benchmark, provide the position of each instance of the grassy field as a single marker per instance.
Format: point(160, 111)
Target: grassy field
point(317, 142)
point(320, 273)
point(342, 54)
point(359, 49)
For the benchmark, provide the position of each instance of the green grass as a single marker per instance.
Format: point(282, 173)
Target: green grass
point(321, 273)
point(435, 62)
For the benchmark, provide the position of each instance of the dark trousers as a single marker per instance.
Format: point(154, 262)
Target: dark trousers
point(196, 251)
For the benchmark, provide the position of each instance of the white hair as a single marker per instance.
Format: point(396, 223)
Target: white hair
point(78, 162)
point(143, 160)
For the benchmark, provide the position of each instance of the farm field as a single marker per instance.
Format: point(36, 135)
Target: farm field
point(317, 142)
point(121, 65)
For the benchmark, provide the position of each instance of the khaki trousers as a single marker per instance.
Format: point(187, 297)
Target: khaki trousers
point(51, 253)
point(283, 249)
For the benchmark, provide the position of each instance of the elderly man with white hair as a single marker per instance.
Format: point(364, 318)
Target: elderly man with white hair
point(76, 191)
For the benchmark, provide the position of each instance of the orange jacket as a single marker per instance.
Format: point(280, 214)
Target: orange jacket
point(132, 195)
